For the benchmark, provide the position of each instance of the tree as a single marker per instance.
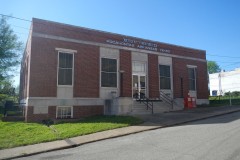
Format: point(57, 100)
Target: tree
point(7, 91)
point(213, 67)
point(10, 48)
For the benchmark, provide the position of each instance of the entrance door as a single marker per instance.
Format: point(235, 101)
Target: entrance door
point(139, 86)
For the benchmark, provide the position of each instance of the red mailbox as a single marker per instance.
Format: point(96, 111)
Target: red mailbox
point(189, 102)
point(194, 102)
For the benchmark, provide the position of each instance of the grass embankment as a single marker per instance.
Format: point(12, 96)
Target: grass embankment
point(13, 134)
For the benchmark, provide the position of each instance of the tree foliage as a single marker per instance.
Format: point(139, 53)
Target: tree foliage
point(7, 91)
point(10, 49)
point(233, 94)
point(10, 53)
point(213, 67)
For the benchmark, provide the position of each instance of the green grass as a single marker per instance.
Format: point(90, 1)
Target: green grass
point(13, 134)
point(94, 124)
point(216, 101)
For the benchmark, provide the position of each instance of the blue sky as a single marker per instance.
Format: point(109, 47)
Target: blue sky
point(211, 25)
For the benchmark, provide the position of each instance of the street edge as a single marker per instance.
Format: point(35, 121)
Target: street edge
point(111, 137)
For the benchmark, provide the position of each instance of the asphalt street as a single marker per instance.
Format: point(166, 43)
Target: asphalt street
point(215, 138)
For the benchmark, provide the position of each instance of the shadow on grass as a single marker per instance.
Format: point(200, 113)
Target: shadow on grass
point(105, 119)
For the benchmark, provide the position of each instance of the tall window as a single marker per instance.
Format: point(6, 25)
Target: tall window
point(192, 79)
point(165, 77)
point(65, 68)
point(109, 72)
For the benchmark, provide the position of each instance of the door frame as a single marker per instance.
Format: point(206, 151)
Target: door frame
point(139, 75)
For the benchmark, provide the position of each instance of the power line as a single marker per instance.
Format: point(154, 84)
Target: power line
point(221, 56)
point(75, 31)
point(15, 17)
point(231, 64)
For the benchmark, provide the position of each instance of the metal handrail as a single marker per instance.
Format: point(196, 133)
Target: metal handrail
point(147, 101)
point(166, 98)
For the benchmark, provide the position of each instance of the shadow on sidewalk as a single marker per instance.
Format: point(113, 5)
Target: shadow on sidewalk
point(184, 116)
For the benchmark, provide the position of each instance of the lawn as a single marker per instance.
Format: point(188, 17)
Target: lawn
point(223, 101)
point(13, 134)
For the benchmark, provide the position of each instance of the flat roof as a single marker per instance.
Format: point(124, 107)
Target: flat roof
point(85, 28)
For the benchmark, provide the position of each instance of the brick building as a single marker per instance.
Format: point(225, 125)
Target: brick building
point(73, 72)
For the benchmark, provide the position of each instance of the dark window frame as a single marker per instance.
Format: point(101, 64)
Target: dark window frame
point(165, 77)
point(65, 68)
point(192, 79)
point(109, 77)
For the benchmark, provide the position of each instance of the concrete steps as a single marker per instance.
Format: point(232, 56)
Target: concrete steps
point(158, 107)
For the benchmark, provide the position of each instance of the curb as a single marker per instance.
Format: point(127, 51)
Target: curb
point(121, 135)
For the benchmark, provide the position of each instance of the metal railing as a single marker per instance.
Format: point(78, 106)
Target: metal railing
point(147, 101)
point(166, 98)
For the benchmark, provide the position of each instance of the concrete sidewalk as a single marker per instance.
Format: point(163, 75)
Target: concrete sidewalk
point(154, 121)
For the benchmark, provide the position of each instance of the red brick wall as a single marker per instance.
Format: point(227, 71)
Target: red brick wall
point(153, 76)
point(180, 70)
point(86, 111)
point(30, 117)
point(68, 31)
point(43, 68)
point(44, 58)
point(126, 66)
point(86, 71)
point(78, 112)
point(43, 77)
point(202, 81)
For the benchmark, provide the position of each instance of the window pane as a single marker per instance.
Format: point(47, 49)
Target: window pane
point(65, 77)
point(68, 76)
point(192, 79)
point(109, 79)
point(109, 73)
point(112, 65)
point(165, 77)
point(64, 112)
point(164, 70)
point(104, 64)
point(191, 73)
point(192, 85)
point(142, 82)
point(65, 60)
point(65, 69)
point(165, 83)
point(109, 65)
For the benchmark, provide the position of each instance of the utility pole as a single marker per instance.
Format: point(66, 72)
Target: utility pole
point(230, 99)
point(220, 84)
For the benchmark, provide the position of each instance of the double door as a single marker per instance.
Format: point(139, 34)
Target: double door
point(139, 86)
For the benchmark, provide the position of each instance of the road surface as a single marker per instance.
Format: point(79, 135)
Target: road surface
point(210, 139)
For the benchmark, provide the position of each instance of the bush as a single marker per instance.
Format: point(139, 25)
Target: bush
point(235, 93)
point(227, 94)
point(48, 122)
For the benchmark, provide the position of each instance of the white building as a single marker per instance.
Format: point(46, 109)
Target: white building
point(223, 82)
